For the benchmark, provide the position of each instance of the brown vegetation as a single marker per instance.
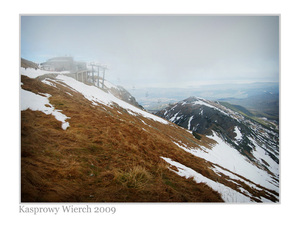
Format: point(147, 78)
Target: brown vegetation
point(108, 155)
point(103, 155)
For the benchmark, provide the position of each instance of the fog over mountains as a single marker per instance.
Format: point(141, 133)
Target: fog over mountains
point(260, 98)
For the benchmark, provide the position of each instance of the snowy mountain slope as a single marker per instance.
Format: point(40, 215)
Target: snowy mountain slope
point(117, 91)
point(243, 145)
point(96, 96)
point(121, 93)
point(80, 143)
point(203, 117)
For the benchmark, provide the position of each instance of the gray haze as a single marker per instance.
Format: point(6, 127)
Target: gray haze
point(161, 51)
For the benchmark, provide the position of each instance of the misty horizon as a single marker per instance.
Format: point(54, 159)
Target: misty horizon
point(161, 51)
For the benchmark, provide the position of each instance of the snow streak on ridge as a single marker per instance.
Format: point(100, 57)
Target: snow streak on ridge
point(228, 194)
point(224, 155)
point(95, 94)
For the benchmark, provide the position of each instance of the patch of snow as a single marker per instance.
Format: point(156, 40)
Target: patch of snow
point(227, 157)
point(95, 103)
point(238, 133)
point(109, 85)
point(30, 100)
point(145, 130)
point(191, 132)
point(132, 113)
point(47, 81)
point(189, 123)
point(55, 81)
point(259, 153)
point(144, 122)
point(227, 194)
point(218, 170)
point(201, 101)
point(174, 117)
point(173, 107)
point(95, 94)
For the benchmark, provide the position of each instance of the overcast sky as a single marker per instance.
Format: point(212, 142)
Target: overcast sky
point(161, 51)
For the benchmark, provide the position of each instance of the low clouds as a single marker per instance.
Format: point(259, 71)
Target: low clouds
point(161, 50)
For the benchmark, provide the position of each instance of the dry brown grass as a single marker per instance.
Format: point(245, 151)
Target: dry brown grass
point(104, 156)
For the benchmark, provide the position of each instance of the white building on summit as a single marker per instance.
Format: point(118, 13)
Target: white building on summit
point(63, 64)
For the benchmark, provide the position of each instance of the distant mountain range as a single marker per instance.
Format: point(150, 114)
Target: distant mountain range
point(261, 99)
point(263, 104)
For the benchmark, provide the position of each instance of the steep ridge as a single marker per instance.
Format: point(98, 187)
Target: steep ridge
point(259, 144)
point(82, 144)
point(202, 116)
point(117, 91)
point(121, 93)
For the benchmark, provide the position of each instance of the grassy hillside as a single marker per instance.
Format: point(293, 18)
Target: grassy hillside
point(110, 153)
point(105, 155)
